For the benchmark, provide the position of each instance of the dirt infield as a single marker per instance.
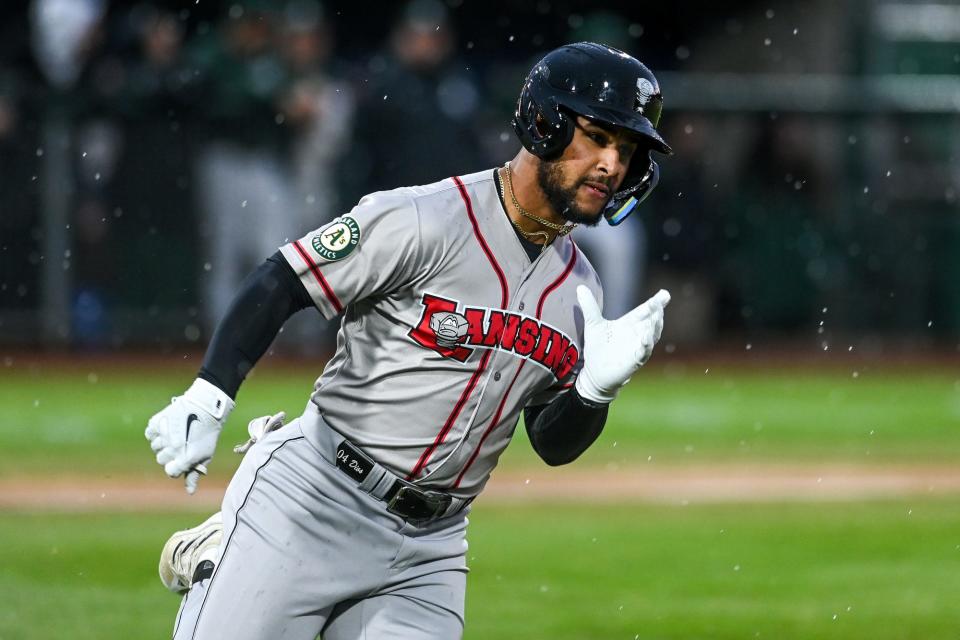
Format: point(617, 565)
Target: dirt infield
point(679, 485)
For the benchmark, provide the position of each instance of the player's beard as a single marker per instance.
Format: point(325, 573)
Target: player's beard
point(563, 200)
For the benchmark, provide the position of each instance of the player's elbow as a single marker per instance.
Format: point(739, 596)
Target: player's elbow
point(556, 458)
point(560, 461)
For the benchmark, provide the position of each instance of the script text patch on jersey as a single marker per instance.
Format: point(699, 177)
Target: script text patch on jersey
point(454, 333)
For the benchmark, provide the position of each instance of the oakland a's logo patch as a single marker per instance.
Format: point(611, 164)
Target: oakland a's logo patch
point(338, 239)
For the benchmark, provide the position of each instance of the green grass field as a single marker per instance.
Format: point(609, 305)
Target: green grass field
point(93, 418)
point(888, 570)
point(875, 570)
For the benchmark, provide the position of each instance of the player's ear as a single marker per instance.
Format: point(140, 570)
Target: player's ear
point(540, 124)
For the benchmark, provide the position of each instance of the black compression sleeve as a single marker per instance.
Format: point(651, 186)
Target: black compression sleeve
point(565, 428)
point(267, 298)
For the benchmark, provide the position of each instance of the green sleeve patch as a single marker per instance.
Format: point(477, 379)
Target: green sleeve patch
point(338, 239)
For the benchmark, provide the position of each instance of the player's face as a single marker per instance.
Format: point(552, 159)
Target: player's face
point(580, 182)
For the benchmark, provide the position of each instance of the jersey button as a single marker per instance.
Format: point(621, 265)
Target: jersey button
point(496, 376)
point(520, 307)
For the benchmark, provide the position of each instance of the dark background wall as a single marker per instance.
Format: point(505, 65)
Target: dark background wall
point(816, 161)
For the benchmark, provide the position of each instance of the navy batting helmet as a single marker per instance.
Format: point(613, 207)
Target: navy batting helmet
point(603, 84)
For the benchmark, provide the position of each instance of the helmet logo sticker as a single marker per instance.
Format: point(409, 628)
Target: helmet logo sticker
point(645, 91)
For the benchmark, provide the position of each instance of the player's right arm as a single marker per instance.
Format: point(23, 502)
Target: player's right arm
point(322, 269)
point(184, 434)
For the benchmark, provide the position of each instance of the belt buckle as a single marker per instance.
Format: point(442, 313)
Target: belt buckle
point(417, 506)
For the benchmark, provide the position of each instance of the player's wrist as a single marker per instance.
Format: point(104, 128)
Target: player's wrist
point(586, 402)
point(587, 388)
point(210, 398)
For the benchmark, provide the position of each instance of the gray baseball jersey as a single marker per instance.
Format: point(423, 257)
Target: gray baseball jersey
point(449, 329)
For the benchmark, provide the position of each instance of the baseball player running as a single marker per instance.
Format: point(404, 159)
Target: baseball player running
point(464, 302)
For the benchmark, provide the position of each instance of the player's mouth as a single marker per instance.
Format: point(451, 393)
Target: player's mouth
point(597, 189)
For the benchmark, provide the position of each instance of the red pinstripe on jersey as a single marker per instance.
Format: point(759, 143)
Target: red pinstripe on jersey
point(493, 423)
point(485, 359)
point(556, 283)
point(503, 401)
point(315, 270)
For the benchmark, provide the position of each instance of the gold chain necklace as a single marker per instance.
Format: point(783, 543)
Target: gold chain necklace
point(561, 229)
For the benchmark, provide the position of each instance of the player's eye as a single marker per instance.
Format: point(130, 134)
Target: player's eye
point(626, 152)
point(597, 137)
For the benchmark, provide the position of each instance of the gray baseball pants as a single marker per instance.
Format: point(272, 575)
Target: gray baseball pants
point(306, 552)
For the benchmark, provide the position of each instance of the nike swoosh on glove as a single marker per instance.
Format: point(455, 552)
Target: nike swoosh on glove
point(614, 349)
point(184, 434)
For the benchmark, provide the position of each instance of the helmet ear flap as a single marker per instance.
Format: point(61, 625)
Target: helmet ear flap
point(560, 131)
point(540, 125)
point(627, 199)
point(543, 127)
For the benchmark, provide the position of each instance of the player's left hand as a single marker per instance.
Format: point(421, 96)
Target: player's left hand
point(184, 434)
point(614, 349)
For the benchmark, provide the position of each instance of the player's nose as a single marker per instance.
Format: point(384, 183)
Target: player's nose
point(611, 165)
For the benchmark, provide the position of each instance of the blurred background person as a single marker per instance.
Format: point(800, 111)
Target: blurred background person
point(416, 120)
point(275, 123)
point(240, 180)
point(317, 109)
point(79, 143)
point(156, 103)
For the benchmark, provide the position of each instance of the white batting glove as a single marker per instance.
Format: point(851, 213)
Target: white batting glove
point(260, 427)
point(184, 434)
point(614, 349)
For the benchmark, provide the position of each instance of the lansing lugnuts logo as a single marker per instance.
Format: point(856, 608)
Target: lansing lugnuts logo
point(449, 327)
point(338, 239)
point(454, 331)
point(645, 91)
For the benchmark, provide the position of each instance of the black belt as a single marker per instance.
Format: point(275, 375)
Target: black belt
point(415, 505)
